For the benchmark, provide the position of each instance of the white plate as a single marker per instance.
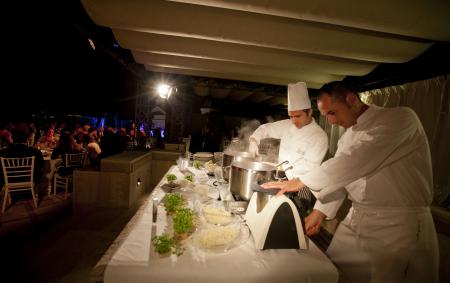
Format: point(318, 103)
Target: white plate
point(204, 155)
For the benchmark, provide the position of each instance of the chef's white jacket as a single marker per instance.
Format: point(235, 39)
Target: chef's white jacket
point(304, 148)
point(383, 163)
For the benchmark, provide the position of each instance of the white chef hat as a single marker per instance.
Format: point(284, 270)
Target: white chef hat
point(298, 98)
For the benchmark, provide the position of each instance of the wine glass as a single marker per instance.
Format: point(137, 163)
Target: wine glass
point(218, 174)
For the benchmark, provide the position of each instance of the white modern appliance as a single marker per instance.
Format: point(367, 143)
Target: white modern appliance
point(274, 221)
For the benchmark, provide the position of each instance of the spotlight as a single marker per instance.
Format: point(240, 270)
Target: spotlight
point(91, 43)
point(164, 91)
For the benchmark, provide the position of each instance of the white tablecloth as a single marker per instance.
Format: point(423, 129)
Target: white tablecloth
point(135, 260)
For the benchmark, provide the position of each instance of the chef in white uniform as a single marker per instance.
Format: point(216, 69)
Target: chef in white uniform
point(383, 166)
point(302, 142)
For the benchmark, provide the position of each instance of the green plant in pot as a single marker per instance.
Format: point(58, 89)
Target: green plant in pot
point(171, 178)
point(183, 222)
point(163, 244)
point(172, 202)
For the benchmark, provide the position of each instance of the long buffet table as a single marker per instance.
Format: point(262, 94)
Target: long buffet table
point(132, 259)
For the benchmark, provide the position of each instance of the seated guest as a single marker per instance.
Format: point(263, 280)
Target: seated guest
point(78, 135)
point(92, 132)
point(67, 144)
point(5, 136)
point(85, 136)
point(111, 143)
point(19, 148)
point(100, 133)
point(133, 133)
point(48, 141)
point(60, 128)
point(124, 136)
point(141, 139)
point(31, 140)
point(93, 151)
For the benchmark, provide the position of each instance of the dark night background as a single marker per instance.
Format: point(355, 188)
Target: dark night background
point(51, 68)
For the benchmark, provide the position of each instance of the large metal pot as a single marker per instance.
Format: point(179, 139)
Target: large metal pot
point(231, 156)
point(245, 174)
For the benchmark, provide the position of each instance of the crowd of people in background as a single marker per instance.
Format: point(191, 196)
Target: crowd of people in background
point(52, 141)
point(61, 138)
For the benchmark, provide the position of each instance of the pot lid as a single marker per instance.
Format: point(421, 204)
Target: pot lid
point(253, 165)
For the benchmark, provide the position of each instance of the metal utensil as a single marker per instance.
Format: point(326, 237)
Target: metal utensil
point(155, 209)
point(282, 163)
point(216, 185)
point(231, 156)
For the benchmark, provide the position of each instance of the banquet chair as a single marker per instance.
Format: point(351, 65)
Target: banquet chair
point(18, 176)
point(72, 161)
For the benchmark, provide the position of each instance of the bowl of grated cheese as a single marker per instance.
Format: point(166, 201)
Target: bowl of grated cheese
point(216, 215)
point(213, 238)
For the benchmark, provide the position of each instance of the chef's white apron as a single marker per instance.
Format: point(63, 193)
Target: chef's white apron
point(380, 244)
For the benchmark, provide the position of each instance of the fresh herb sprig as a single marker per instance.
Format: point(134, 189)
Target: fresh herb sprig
point(172, 202)
point(189, 177)
point(163, 244)
point(171, 177)
point(197, 164)
point(183, 221)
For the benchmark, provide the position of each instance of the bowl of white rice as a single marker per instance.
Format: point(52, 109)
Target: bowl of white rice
point(214, 238)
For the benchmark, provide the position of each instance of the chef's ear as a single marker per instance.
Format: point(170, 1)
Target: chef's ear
point(350, 99)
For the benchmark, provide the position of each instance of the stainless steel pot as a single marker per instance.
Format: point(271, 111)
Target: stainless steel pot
point(229, 157)
point(245, 174)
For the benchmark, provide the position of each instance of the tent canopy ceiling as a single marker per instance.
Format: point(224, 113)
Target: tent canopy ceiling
point(272, 42)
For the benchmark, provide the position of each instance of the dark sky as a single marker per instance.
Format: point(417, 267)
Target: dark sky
point(51, 66)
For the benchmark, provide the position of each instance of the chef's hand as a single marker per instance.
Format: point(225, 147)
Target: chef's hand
point(313, 221)
point(293, 185)
point(253, 147)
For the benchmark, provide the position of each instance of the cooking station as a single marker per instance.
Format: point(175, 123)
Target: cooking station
point(132, 258)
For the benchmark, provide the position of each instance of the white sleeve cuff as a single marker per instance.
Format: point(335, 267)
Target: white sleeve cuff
point(331, 207)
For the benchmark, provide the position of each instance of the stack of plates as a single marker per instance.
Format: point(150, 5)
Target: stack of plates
point(203, 156)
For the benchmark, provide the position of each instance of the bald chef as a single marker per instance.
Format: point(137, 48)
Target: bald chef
point(303, 143)
point(383, 165)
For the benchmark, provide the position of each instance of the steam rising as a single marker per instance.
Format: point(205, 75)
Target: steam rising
point(268, 147)
point(246, 130)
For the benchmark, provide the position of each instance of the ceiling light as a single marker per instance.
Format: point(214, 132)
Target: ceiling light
point(164, 91)
point(91, 43)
